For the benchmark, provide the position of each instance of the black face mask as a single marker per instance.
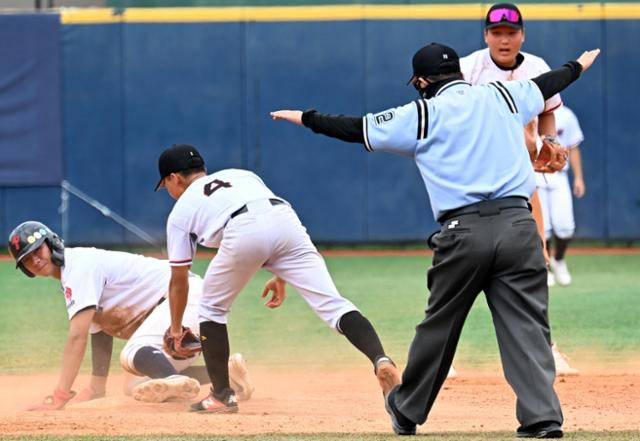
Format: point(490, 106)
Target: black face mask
point(421, 92)
point(429, 91)
point(432, 88)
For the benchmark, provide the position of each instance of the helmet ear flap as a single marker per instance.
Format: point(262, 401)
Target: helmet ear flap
point(56, 244)
point(26, 271)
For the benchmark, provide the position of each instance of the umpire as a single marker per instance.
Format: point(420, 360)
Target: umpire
point(467, 143)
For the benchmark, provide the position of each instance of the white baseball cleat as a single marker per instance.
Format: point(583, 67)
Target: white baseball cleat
point(551, 280)
point(177, 387)
point(239, 378)
point(452, 373)
point(562, 363)
point(560, 271)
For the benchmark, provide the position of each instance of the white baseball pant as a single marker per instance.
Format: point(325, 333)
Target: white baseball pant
point(151, 331)
point(557, 204)
point(270, 237)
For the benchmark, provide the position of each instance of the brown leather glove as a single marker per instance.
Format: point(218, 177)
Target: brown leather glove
point(552, 156)
point(183, 346)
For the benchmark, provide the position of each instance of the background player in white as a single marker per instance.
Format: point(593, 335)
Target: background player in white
point(502, 60)
point(555, 196)
point(114, 294)
point(234, 211)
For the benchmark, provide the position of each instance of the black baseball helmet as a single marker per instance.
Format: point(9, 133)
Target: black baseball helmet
point(28, 237)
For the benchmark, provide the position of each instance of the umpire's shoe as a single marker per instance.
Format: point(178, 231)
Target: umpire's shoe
point(401, 424)
point(543, 429)
point(226, 402)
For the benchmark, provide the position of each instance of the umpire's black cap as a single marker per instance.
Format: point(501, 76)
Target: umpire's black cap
point(434, 59)
point(177, 158)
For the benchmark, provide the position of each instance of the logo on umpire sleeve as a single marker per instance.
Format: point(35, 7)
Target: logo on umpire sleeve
point(383, 117)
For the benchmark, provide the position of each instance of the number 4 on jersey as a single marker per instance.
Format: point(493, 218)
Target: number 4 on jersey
point(215, 185)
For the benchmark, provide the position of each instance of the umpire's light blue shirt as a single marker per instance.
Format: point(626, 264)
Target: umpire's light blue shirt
point(467, 141)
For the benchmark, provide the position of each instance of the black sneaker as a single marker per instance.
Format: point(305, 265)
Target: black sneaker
point(211, 404)
point(401, 424)
point(543, 429)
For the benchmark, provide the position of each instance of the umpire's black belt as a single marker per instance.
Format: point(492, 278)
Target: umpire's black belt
point(244, 208)
point(486, 208)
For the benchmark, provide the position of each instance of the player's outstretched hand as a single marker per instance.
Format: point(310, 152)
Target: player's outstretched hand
point(275, 285)
point(294, 116)
point(55, 401)
point(587, 58)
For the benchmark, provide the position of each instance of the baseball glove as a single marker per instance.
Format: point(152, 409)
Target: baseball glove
point(183, 346)
point(552, 156)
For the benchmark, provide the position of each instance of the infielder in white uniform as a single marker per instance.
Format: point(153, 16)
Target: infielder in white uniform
point(555, 196)
point(502, 60)
point(114, 294)
point(234, 211)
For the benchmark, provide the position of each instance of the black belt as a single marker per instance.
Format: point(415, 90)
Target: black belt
point(486, 208)
point(244, 208)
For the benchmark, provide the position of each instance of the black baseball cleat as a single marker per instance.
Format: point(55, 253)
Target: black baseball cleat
point(228, 403)
point(401, 424)
point(543, 429)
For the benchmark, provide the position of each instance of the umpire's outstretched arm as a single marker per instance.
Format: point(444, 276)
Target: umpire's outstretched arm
point(350, 129)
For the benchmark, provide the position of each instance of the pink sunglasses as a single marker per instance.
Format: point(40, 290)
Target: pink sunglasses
point(498, 15)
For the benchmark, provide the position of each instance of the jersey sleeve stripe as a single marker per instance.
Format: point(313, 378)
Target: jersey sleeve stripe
point(554, 108)
point(506, 95)
point(422, 119)
point(365, 132)
point(180, 261)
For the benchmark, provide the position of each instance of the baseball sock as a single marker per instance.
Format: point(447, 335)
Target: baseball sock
point(152, 362)
point(215, 351)
point(561, 248)
point(361, 334)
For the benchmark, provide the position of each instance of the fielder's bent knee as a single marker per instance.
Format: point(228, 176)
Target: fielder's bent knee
point(127, 355)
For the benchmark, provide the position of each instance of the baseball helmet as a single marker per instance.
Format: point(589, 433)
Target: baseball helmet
point(28, 237)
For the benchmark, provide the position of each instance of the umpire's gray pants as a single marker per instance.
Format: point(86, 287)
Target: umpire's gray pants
point(500, 254)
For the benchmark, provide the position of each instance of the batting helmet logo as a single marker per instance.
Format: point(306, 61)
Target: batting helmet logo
point(15, 242)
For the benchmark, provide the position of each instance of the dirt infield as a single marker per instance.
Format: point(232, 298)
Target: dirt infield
point(324, 401)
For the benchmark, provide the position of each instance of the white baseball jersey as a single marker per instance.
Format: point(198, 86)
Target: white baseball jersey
point(554, 188)
point(124, 288)
point(202, 211)
point(264, 235)
point(479, 68)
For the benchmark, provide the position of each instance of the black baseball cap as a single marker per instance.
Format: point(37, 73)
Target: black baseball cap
point(177, 158)
point(503, 14)
point(434, 59)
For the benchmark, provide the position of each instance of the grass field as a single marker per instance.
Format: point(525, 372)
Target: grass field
point(595, 319)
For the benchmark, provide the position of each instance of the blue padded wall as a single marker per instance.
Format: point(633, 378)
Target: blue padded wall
point(128, 90)
point(93, 128)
